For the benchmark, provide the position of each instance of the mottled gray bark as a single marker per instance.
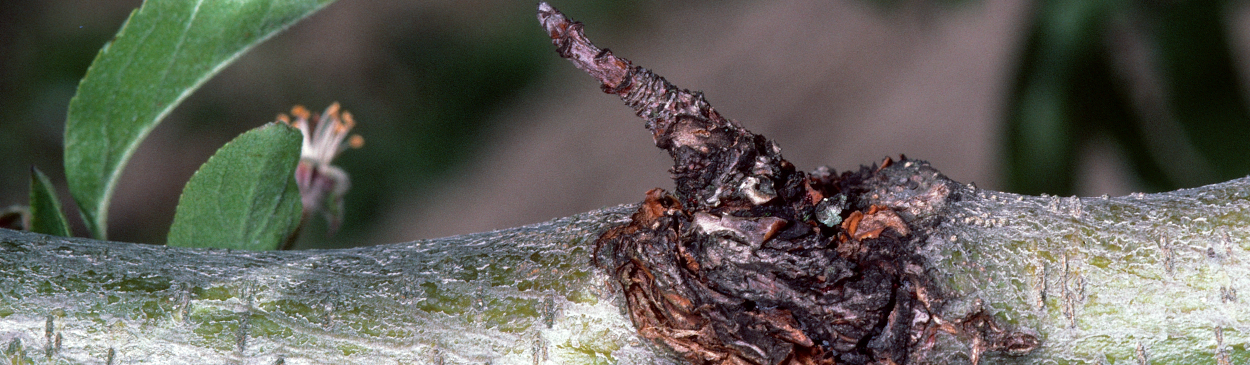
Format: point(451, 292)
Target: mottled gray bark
point(1146, 278)
point(1138, 279)
point(517, 296)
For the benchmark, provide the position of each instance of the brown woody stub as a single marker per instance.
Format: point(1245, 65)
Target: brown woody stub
point(754, 262)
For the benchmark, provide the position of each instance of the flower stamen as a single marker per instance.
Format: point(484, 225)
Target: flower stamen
point(321, 184)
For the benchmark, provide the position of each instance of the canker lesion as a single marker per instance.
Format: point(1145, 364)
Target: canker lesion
point(735, 267)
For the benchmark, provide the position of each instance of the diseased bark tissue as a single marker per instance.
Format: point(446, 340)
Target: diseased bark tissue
point(751, 261)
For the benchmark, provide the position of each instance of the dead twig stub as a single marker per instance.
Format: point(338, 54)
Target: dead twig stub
point(754, 262)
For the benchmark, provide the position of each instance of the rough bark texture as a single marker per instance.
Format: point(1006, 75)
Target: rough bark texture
point(753, 262)
point(1149, 278)
point(518, 296)
point(1138, 279)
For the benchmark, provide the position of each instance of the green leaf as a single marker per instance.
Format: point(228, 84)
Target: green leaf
point(166, 50)
point(45, 209)
point(245, 196)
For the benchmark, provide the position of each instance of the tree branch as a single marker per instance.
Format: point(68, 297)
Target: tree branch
point(970, 275)
point(512, 296)
point(1159, 277)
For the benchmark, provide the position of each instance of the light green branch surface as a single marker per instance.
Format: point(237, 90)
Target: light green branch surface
point(518, 296)
point(1141, 279)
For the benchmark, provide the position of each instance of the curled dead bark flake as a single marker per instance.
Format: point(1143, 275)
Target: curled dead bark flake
point(754, 262)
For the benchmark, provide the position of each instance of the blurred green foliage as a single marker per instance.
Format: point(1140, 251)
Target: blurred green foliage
point(1159, 77)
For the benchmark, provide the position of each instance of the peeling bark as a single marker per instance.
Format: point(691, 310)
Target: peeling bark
point(740, 268)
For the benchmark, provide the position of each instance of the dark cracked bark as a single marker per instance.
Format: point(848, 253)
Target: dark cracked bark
point(754, 262)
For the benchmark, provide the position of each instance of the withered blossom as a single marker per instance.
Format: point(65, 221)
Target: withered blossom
point(322, 185)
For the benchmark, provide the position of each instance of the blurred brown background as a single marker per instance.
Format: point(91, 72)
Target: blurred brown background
point(473, 123)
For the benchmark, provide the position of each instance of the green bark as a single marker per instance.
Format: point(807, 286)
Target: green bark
point(519, 295)
point(1146, 278)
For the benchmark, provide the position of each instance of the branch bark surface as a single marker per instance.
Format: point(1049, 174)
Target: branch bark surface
point(517, 296)
point(1145, 278)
